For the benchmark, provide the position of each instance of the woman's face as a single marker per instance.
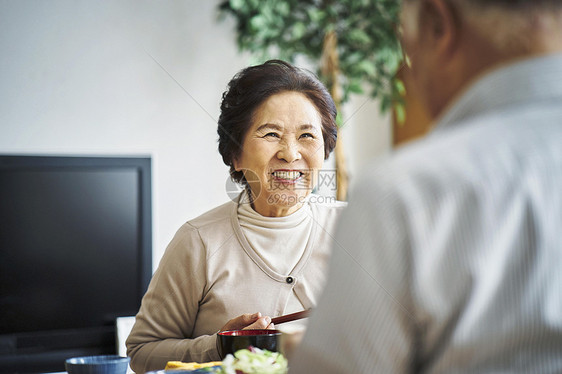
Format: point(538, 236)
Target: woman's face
point(282, 153)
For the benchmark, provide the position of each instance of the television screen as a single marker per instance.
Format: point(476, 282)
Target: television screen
point(75, 254)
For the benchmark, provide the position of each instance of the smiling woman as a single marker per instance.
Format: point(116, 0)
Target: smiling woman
point(282, 153)
point(252, 87)
point(265, 253)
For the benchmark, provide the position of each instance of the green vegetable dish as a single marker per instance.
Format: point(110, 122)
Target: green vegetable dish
point(254, 361)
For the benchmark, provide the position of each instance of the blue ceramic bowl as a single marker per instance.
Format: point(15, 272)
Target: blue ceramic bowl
point(207, 370)
point(108, 364)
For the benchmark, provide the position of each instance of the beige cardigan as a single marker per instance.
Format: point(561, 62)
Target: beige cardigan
point(209, 275)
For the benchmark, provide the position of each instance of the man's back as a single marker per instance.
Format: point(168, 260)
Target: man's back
point(453, 253)
point(485, 219)
point(448, 257)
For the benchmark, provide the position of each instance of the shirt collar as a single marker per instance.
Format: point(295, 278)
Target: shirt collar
point(519, 83)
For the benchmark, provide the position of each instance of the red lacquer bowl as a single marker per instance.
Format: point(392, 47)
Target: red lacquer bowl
point(234, 340)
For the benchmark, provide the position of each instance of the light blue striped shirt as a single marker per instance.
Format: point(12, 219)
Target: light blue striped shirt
point(449, 256)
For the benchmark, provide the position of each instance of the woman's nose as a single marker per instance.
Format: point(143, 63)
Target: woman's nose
point(289, 151)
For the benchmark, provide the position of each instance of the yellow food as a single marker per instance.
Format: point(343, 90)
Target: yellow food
point(173, 365)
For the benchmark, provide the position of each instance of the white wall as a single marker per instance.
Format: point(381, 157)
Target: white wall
point(84, 77)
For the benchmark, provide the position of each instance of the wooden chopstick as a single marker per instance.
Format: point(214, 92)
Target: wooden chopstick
point(290, 317)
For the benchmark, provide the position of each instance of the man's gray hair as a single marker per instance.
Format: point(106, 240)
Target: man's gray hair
point(510, 24)
point(516, 3)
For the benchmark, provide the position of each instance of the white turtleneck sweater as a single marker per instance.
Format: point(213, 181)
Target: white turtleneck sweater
point(279, 241)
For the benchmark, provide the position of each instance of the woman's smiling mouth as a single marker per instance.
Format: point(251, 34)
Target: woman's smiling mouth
point(287, 176)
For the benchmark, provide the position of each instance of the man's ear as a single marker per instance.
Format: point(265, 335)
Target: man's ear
point(440, 25)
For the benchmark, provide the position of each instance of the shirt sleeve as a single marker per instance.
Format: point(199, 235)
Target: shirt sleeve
point(165, 322)
point(364, 322)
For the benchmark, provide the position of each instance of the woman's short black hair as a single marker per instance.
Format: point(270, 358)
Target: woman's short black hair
point(255, 84)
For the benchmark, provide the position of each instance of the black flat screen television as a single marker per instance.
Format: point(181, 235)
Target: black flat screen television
point(75, 254)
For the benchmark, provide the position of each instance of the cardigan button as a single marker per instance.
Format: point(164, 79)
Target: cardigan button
point(289, 280)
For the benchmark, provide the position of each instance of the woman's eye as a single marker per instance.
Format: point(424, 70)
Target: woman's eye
point(273, 134)
point(307, 135)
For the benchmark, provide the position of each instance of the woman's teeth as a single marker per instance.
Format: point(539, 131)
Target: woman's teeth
point(289, 175)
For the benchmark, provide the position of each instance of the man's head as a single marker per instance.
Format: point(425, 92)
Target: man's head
point(451, 42)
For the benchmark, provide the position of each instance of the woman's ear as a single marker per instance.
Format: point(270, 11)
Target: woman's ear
point(440, 24)
point(236, 165)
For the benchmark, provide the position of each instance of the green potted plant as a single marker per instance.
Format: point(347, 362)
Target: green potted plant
point(351, 43)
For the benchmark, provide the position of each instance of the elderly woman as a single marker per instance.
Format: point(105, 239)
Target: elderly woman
point(263, 255)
